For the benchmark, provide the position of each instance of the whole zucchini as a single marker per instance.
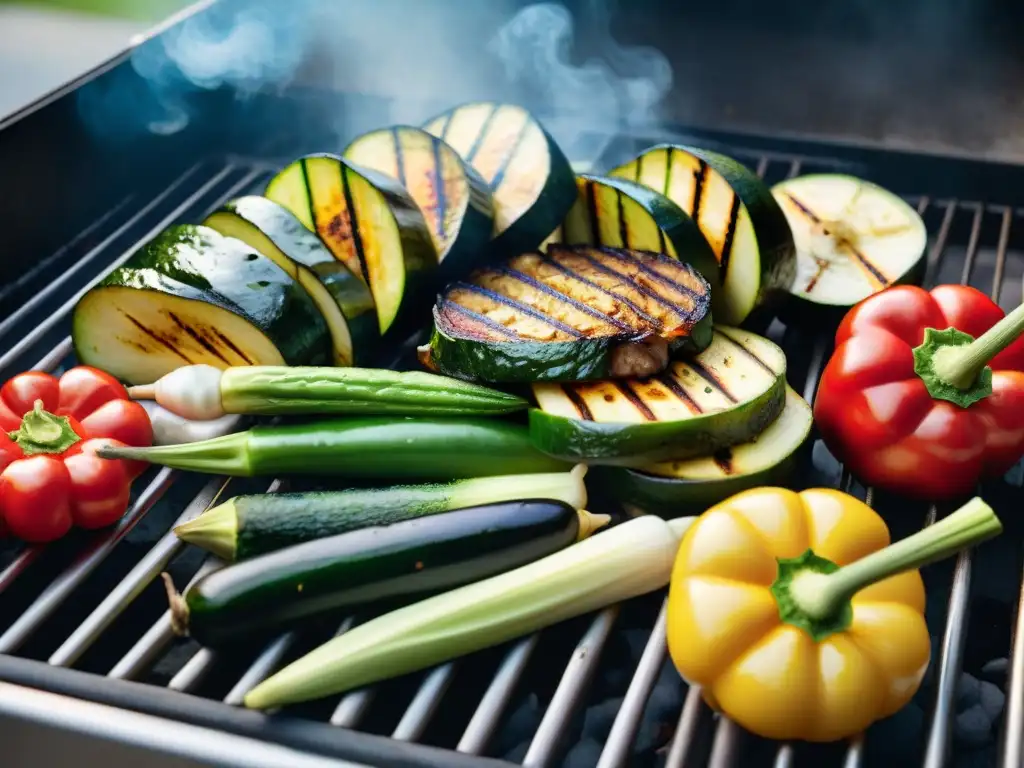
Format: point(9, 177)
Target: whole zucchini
point(407, 560)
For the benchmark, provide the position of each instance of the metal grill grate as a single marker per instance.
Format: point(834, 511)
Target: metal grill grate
point(82, 604)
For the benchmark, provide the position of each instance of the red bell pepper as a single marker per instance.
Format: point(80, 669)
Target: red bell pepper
point(50, 477)
point(924, 394)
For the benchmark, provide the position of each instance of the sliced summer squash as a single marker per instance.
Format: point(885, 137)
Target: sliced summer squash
point(342, 298)
point(577, 313)
point(371, 225)
point(193, 296)
point(455, 201)
point(618, 213)
point(738, 216)
point(724, 396)
point(690, 486)
point(530, 179)
point(853, 238)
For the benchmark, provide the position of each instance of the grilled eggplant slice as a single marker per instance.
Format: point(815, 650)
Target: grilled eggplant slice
point(342, 298)
point(617, 213)
point(193, 296)
point(853, 238)
point(454, 200)
point(724, 396)
point(578, 313)
point(371, 225)
point(674, 488)
point(737, 214)
point(530, 179)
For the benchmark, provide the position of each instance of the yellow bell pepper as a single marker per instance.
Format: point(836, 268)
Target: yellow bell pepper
point(797, 619)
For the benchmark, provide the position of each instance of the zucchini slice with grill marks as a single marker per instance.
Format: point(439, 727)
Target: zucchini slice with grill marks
point(530, 179)
point(193, 296)
point(737, 214)
point(342, 298)
point(577, 313)
point(690, 486)
point(371, 225)
point(455, 201)
point(724, 396)
point(617, 213)
point(853, 238)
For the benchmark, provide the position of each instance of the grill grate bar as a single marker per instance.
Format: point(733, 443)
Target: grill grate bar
point(55, 356)
point(135, 582)
point(571, 688)
point(940, 242)
point(47, 324)
point(59, 589)
point(686, 730)
point(1013, 733)
point(18, 566)
point(627, 721)
point(972, 244)
point(784, 758)
point(495, 700)
point(424, 704)
point(158, 637)
point(353, 706)
point(259, 670)
point(195, 669)
point(1004, 241)
point(855, 754)
point(725, 751)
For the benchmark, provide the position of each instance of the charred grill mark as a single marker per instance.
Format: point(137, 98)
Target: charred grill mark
point(396, 141)
point(623, 224)
point(156, 337)
point(627, 390)
point(861, 259)
point(723, 460)
point(657, 276)
point(481, 134)
point(482, 319)
point(635, 286)
point(624, 299)
point(730, 234)
point(524, 278)
point(499, 176)
point(711, 379)
point(231, 345)
point(199, 339)
point(669, 157)
point(638, 169)
point(440, 193)
point(309, 191)
point(673, 386)
point(749, 353)
point(353, 225)
point(595, 227)
point(581, 407)
point(699, 177)
point(519, 306)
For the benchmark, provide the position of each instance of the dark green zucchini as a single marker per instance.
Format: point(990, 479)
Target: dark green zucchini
point(455, 201)
point(405, 561)
point(193, 296)
point(342, 298)
point(675, 488)
point(372, 226)
point(416, 449)
point(724, 396)
point(579, 313)
point(248, 526)
point(530, 179)
point(618, 213)
point(738, 216)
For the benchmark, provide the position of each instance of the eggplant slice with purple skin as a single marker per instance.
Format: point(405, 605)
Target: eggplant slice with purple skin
point(577, 313)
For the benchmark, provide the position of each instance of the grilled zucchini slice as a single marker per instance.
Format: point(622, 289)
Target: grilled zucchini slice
point(853, 238)
point(371, 225)
point(577, 313)
point(690, 486)
point(617, 213)
point(724, 396)
point(738, 216)
point(193, 296)
point(454, 200)
point(342, 298)
point(530, 179)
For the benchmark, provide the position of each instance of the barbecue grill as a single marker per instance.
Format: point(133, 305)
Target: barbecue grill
point(89, 668)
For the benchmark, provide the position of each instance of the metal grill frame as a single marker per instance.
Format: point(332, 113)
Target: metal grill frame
point(228, 730)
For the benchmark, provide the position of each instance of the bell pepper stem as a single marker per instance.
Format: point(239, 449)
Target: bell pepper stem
point(821, 595)
point(43, 432)
point(962, 365)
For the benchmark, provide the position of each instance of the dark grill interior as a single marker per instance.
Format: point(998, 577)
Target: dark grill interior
point(87, 617)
